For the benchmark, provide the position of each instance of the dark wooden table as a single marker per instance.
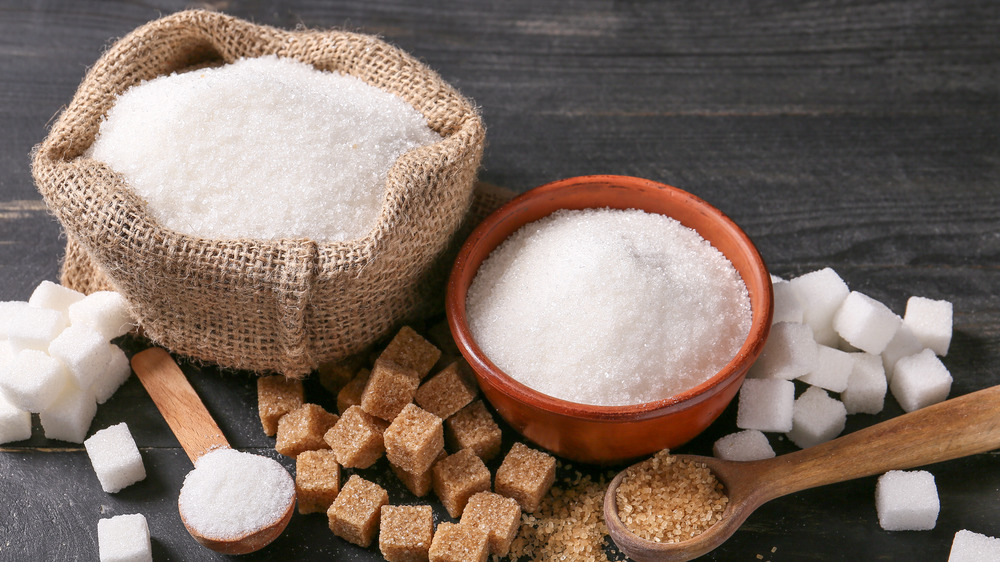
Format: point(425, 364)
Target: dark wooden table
point(857, 135)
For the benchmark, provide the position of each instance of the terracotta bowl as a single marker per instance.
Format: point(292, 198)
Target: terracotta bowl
point(610, 434)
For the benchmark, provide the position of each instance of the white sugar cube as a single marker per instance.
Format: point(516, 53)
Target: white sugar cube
point(34, 328)
point(920, 380)
point(866, 387)
point(114, 374)
point(9, 309)
point(931, 322)
point(866, 323)
point(907, 501)
point(821, 294)
point(974, 547)
point(816, 418)
point(790, 352)
point(15, 423)
point(831, 369)
point(903, 344)
point(69, 417)
point(54, 296)
point(124, 538)
point(115, 458)
point(747, 445)
point(104, 311)
point(83, 351)
point(787, 306)
point(766, 405)
point(34, 380)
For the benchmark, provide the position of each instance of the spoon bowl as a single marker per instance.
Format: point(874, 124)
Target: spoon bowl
point(959, 427)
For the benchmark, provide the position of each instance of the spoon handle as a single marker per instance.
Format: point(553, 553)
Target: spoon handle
point(178, 403)
point(955, 428)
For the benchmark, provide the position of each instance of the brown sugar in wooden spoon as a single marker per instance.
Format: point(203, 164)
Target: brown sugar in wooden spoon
point(959, 427)
point(198, 435)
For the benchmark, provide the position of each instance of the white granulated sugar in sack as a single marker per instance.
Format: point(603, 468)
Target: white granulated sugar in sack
point(974, 547)
point(114, 374)
point(931, 322)
point(866, 323)
point(866, 387)
point(54, 296)
point(821, 294)
point(907, 501)
point(15, 423)
point(747, 445)
point(920, 380)
point(903, 344)
point(608, 307)
point(817, 418)
point(230, 494)
point(83, 351)
point(34, 380)
point(69, 417)
point(115, 458)
point(787, 306)
point(831, 369)
point(103, 311)
point(789, 353)
point(124, 538)
point(263, 148)
point(766, 405)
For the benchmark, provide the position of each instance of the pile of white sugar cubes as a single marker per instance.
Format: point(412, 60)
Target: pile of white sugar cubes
point(57, 361)
point(844, 342)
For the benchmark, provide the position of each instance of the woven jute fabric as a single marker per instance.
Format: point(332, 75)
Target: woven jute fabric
point(263, 305)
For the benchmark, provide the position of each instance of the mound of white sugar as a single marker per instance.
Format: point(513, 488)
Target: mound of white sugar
point(263, 148)
point(608, 307)
point(230, 494)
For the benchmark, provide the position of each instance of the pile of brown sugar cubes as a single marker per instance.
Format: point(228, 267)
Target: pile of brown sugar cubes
point(395, 409)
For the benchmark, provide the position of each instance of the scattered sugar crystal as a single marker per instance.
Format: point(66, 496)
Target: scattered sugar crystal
point(104, 311)
point(931, 322)
point(15, 423)
point(831, 370)
point(821, 294)
point(866, 387)
point(866, 323)
point(263, 148)
point(746, 445)
point(790, 352)
point(907, 501)
point(115, 458)
point(113, 376)
point(920, 380)
point(84, 352)
point(54, 296)
point(816, 418)
point(903, 344)
point(608, 307)
point(787, 306)
point(69, 417)
point(974, 547)
point(230, 494)
point(34, 328)
point(34, 380)
point(124, 538)
point(766, 405)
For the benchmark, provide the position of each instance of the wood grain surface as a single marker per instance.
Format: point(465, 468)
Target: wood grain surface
point(863, 136)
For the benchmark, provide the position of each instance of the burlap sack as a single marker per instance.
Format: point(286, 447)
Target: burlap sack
point(285, 305)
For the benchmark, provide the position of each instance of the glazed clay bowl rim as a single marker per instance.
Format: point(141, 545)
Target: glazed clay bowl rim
point(510, 217)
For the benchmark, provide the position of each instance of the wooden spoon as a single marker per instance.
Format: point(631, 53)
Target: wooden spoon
point(963, 426)
point(198, 434)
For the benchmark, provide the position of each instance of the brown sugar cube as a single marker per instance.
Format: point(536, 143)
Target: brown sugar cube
point(414, 439)
point(356, 438)
point(354, 515)
point(498, 516)
point(417, 483)
point(390, 388)
point(276, 396)
point(525, 475)
point(412, 351)
point(303, 430)
point(445, 393)
point(334, 375)
point(405, 532)
point(350, 395)
point(474, 428)
point(456, 477)
point(455, 542)
point(317, 480)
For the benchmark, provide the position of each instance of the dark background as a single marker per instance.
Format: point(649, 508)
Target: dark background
point(857, 135)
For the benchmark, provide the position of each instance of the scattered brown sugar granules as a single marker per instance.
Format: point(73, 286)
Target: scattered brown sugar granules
point(568, 525)
point(666, 499)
